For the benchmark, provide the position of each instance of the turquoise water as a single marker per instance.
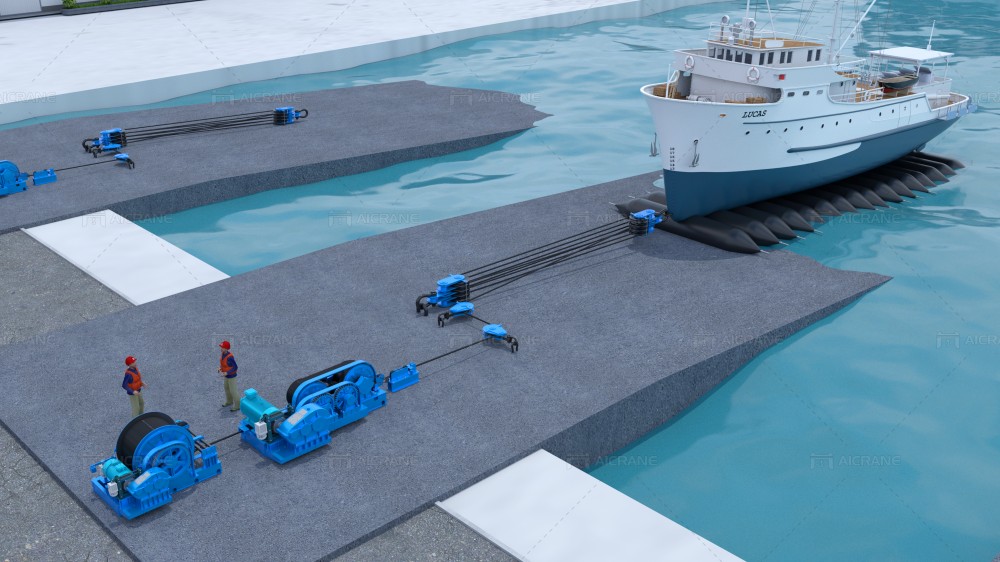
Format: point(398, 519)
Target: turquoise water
point(872, 435)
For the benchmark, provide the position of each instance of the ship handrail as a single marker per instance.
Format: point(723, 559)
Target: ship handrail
point(717, 32)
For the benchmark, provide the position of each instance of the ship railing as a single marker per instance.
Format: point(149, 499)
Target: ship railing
point(861, 95)
point(734, 34)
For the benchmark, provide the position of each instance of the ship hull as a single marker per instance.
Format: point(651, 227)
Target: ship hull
point(700, 193)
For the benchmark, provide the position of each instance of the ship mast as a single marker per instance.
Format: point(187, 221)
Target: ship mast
point(833, 32)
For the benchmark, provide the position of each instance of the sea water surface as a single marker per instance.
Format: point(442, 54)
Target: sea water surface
point(872, 435)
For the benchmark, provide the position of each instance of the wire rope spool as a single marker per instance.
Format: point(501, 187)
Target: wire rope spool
point(137, 430)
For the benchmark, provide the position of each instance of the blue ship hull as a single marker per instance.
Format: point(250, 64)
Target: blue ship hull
point(700, 193)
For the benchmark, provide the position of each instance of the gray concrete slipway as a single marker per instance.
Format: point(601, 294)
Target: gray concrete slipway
point(612, 346)
point(348, 131)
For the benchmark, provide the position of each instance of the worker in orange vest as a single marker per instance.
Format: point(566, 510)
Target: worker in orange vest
point(228, 370)
point(133, 385)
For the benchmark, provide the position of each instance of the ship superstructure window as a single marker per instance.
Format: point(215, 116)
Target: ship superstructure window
point(805, 93)
point(761, 63)
point(711, 52)
point(770, 58)
point(729, 54)
point(782, 57)
point(818, 51)
point(791, 94)
point(809, 55)
point(790, 53)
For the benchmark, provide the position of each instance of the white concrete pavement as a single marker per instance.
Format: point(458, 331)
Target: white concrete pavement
point(58, 64)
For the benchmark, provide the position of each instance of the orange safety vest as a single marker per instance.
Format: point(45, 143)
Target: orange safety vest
point(136, 383)
point(223, 365)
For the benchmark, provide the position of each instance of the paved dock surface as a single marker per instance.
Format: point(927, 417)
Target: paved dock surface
point(348, 131)
point(611, 346)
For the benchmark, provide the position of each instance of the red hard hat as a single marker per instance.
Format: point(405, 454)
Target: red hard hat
point(225, 344)
point(129, 360)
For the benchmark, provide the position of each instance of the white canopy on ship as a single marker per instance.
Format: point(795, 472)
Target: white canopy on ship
point(912, 54)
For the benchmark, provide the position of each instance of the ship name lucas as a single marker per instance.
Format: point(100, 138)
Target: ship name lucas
point(761, 113)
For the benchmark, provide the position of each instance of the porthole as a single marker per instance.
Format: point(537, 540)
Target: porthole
point(836, 124)
point(768, 132)
point(786, 130)
point(801, 128)
point(850, 120)
point(823, 126)
point(747, 133)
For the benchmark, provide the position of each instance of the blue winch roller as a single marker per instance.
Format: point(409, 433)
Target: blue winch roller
point(155, 457)
point(317, 405)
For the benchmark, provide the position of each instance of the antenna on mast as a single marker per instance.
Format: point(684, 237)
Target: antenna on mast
point(931, 38)
point(746, 15)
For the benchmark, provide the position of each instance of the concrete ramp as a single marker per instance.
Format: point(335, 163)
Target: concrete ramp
point(543, 509)
point(129, 260)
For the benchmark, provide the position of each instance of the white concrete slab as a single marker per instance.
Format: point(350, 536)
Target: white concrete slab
point(180, 49)
point(542, 509)
point(129, 260)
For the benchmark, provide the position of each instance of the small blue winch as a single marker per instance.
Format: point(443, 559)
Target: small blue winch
point(13, 180)
point(317, 405)
point(155, 457)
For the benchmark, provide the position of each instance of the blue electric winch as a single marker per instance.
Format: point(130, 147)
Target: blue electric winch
point(155, 457)
point(13, 180)
point(317, 405)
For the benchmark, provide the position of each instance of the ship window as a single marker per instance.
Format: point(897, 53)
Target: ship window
point(809, 55)
point(782, 57)
point(761, 63)
point(805, 93)
point(850, 120)
point(748, 132)
point(720, 54)
point(791, 94)
point(711, 52)
point(790, 53)
point(802, 128)
point(786, 130)
point(770, 58)
point(836, 124)
point(818, 51)
point(729, 54)
point(819, 92)
point(768, 132)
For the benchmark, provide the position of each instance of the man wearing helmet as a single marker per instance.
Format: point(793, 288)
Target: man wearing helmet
point(133, 386)
point(228, 370)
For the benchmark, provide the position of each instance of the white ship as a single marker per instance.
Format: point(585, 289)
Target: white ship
point(757, 114)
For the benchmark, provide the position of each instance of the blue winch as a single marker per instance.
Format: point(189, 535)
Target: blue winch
point(317, 405)
point(13, 180)
point(155, 457)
